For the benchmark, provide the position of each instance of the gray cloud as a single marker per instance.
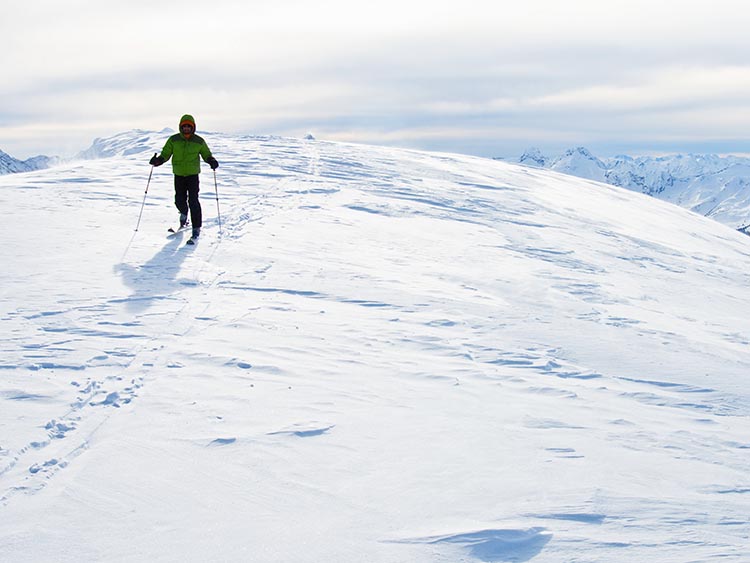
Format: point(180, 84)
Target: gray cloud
point(478, 76)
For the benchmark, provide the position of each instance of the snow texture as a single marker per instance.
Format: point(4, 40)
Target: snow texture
point(382, 355)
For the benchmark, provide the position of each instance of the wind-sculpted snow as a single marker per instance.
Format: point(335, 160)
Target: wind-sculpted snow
point(127, 143)
point(382, 355)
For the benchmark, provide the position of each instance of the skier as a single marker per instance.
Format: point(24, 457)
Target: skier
point(184, 148)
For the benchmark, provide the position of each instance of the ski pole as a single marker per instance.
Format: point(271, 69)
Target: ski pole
point(144, 196)
point(216, 187)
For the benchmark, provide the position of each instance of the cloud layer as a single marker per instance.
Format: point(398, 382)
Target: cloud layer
point(477, 76)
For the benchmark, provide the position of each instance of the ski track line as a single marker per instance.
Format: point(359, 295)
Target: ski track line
point(68, 435)
point(32, 467)
point(289, 192)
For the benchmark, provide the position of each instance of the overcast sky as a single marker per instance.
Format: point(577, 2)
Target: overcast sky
point(484, 77)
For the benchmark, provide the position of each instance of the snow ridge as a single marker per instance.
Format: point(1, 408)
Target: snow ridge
point(127, 143)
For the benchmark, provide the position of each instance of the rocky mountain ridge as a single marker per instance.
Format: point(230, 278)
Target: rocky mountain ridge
point(11, 165)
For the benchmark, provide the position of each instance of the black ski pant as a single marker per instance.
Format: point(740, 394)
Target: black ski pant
point(186, 190)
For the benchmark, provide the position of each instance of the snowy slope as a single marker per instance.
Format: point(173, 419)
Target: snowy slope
point(382, 356)
point(714, 186)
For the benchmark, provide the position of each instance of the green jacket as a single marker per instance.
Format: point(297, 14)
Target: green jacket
point(184, 153)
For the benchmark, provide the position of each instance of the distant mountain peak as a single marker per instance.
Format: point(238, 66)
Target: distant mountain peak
point(11, 165)
point(708, 184)
point(533, 157)
point(582, 151)
point(580, 154)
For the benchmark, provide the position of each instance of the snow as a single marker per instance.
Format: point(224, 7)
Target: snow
point(10, 165)
point(710, 185)
point(383, 355)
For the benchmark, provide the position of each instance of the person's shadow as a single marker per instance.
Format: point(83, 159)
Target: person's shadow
point(155, 280)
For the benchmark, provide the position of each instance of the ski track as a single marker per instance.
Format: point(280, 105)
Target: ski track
point(96, 386)
point(89, 358)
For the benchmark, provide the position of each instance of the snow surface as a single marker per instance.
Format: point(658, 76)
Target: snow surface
point(381, 356)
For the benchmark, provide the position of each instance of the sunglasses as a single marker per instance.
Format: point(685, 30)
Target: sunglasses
point(186, 126)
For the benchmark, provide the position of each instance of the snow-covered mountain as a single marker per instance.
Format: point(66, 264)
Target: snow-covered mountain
point(373, 355)
point(125, 143)
point(714, 186)
point(11, 165)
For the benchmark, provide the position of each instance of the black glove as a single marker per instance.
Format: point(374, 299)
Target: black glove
point(213, 163)
point(156, 160)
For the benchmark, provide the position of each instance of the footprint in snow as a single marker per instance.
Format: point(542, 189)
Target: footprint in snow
point(46, 466)
point(58, 429)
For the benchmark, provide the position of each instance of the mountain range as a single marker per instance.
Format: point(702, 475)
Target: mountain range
point(714, 186)
point(11, 165)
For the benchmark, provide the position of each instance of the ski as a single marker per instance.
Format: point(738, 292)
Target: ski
point(173, 231)
point(191, 241)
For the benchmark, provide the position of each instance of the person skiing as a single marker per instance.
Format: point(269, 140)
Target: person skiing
point(184, 148)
